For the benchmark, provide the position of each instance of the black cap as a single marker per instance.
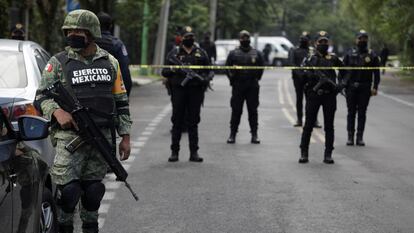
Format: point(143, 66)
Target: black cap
point(322, 35)
point(17, 29)
point(187, 31)
point(305, 36)
point(105, 20)
point(244, 33)
point(362, 33)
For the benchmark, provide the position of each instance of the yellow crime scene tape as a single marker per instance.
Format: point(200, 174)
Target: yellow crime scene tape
point(215, 67)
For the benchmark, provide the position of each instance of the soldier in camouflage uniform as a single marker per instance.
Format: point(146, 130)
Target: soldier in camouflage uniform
point(94, 77)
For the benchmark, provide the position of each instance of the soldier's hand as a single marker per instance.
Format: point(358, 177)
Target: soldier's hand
point(124, 148)
point(374, 92)
point(65, 119)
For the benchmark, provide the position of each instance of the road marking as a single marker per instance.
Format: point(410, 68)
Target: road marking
point(142, 138)
point(396, 99)
point(289, 97)
point(279, 87)
point(109, 196)
point(137, 144)
point(103, 209)
point(292, 121)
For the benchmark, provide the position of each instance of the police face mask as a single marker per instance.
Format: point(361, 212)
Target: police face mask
point(362, 45)
point(188, 42)
point(322, 48)
point(245, 43)
point(76, 42)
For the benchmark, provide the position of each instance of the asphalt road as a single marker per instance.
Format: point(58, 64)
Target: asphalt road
point(262, 188)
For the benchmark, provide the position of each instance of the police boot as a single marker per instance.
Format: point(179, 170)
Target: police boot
point(90, 227)
point(328, 157)
point(304, 156)
point(65, 228)
point(359, 140)
point(255, 139)
point(317, 125)
point(298, 123)
point(232, 138)
point(194, 157)
point(350, 141)
point(173, 157)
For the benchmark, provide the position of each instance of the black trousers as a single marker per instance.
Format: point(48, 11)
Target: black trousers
point(299, 84)
point(313, 102)
point(241, 92)
point(357, 100)
point(186, 107)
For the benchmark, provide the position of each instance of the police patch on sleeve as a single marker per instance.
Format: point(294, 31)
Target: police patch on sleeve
point(124, 51)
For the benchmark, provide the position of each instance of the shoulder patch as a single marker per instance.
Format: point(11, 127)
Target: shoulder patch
point(124, 50)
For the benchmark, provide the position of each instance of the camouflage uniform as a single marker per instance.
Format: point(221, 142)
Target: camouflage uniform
point(86, 163)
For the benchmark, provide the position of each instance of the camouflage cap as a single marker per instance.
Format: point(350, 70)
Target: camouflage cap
point(82, 19)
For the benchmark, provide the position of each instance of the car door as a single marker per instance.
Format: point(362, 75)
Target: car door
point(21, 183)
point(7, 148)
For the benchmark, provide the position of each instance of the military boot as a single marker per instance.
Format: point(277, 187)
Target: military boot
point(232, 138)
point(255, 139)
point(90, 227)
point(65, 228)
point(328, 157)
point(173, 157)
point(350, 141)
point(194, 157)
point(359, 140)
point(304, 156)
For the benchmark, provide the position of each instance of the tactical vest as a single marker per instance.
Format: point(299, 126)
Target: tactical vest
point(242, 58)
point(357, 59)
point(92, 86)
point(319, 61)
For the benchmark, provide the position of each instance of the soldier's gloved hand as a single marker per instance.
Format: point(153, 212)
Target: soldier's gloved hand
point(124, 147)
point(65, 119)
point(374, 92)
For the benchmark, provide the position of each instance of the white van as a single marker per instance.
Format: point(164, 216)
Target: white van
point(279, 45)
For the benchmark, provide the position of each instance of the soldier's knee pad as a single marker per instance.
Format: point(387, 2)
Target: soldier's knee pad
point(68, 196)
point(93, 192)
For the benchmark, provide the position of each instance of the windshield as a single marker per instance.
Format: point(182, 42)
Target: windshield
point(12, 70)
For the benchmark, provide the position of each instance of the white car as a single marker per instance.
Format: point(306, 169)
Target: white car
point(21, 66)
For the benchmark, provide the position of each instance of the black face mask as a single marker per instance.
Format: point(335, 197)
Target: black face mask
point(188, 42)
point(245, 43)
point(362, 45)
point(322, 48)
point(76, 42)
point(304, 44)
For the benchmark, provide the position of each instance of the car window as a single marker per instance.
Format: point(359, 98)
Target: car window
point(41, 63)
point(4, 127)
point(12, 70)
point(45, 55)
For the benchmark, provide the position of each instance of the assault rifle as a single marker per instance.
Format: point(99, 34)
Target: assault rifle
point(189, 73)
point(88, 130)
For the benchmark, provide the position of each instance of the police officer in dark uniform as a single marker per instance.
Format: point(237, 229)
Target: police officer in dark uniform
point(17, 32)
point(187, 99)
point(360, 85)
point(321, 90)
point(245, 85)
point(115, 47)
point(296, 58)
point(209, 46)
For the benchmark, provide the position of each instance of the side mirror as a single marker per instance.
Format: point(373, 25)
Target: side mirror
point(33, 128)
